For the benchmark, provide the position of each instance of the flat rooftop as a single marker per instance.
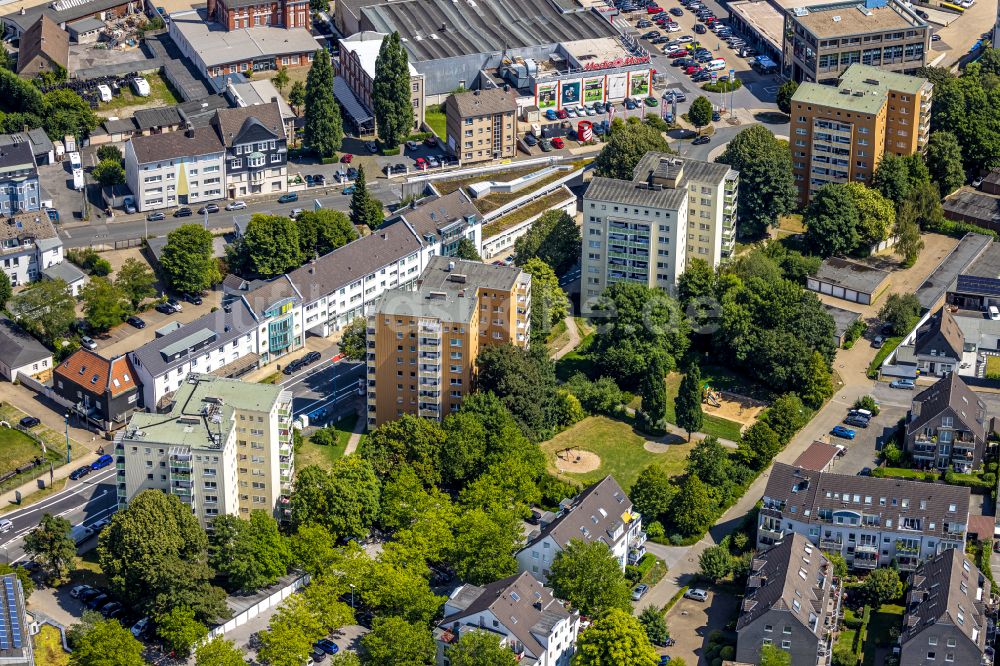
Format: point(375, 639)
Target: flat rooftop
point(366, 46)
point(851, 275)
point(768, 17)
point(480, 26)
point(842, 319)
point(600, 49)
point(851, 18)
point(217, 46)
point(933, 289)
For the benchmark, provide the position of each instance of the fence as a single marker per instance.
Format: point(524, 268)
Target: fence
point(260, 606)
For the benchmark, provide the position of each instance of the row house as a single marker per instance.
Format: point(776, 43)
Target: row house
point(870, 521)
point(29, 244)
point(602, 512)
point(947, 426)
point(20, 191)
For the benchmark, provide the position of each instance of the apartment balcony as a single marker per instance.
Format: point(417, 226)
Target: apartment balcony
point(120, 467)
point(907, 563)
point(285, 413)
point(831, 543)
point(903, 547)
point(866, 548)
point(429, 412)
point(429, 369)
point(775, 533)
point(182, 491)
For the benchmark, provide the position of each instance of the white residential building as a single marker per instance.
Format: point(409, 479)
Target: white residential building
point(521, 611)
point(28, 245)
point(870, 521)
point(646, 229)
point(224, 448)
point(602, 512)
point(176, 168)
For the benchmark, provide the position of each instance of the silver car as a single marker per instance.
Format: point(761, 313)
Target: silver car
point(697, 594)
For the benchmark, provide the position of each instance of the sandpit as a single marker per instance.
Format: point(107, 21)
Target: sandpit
point(735, 407)
point(577, 461)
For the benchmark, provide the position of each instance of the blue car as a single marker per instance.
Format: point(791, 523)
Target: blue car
point(102, 462)
point(841, 431)
point(327, 646)
point(550, 114)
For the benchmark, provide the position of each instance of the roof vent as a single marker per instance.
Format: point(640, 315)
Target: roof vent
point(836, 19)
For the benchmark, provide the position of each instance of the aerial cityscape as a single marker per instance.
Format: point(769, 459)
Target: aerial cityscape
point(499, 332)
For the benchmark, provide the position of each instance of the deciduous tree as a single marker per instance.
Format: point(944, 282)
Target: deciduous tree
point(587, 575)
point(692, 510)
point(627, 143)
point(107, 643)
point(652, 620)
point(45, 308)
point(324, 130)
point(653, 492)
point(907, 231)
point(136, 281)
point(900, 312)
point(408, 440)
point(280, 79)
point(480, 648)
point(109, 173)
point(687, 404)
point(218, 652)
point(268, 247)
point(485, 544)
point(785, 93)
point(322, 231)
point(709, 459)
point(188, 260)
point(6, 289)
point(700, 113)
point(525, 382)
point(892, 178)
point(180, 631)
point(616, 638)
point(391, 96)
point(52, 546)
point(251, 553)
point(396, 642)
point(297, 93)
point(715, 563)
point(882, 586)
point(467, 250)
point(549, 303)
point(876, 214)
point(758, 445)
point(104, 304)
point(944, 161)
point(344, 499)
point(554, 238)
point(832, 221)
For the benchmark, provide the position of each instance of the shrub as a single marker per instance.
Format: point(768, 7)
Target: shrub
point(867, 402)
point(723, 87)
point(654, 530)
point(727, 653)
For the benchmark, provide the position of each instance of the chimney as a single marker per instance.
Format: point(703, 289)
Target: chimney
point(22, 11)
point(451, 266)
point(210, 8)
point(189, 132)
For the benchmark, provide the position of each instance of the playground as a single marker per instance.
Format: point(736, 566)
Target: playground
point(577, 461)
point(731, 406)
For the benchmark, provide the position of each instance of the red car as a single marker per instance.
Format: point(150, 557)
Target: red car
point(346, 158)
point(421, 163)
point(558, 143)
point(562, 114)
point(653, 9)
point(679, 53)
point(693, 69)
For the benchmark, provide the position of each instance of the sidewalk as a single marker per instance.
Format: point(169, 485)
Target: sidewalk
point(359, 428)
point(574, 338)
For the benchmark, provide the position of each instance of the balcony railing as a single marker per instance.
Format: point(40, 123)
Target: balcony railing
point(775, 533)
point(831, 543)
point(904, 547)
point(866, 548)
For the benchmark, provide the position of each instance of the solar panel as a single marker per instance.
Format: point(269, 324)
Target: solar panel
point(15, 620)
point(979, 285)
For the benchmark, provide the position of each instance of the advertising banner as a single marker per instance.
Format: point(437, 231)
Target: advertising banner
point(639, 84)
point(546, 95)
point(617, 86)
point(570, 93)
point(593, 90)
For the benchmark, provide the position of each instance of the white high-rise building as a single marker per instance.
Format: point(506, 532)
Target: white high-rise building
point(647, 229)
point(224, 448)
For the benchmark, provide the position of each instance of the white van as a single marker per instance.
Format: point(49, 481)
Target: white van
point(74, 160)
point(104, 92)
point(716, 65)
point(140, 86)
point(994, 312)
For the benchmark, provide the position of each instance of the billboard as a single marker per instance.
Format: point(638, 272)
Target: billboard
point(546, 95)
point(593, 90)
point(617, 86)
point(569, 93)
point(638, 84)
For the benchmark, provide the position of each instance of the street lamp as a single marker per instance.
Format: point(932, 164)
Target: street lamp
point(352, 591)
point(69, 449)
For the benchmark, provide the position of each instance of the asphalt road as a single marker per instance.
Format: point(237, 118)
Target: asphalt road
point(325, 386)
point(135, 226)
point(82, 502)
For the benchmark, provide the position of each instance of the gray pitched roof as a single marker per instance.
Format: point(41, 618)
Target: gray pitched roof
point(792, 571)
point(163, 116)
point(18, 348)
point(943, 589)
point(482, 102)
point(950, 393)
point(27, 226)
point(803, 494)
point(232, 121)
point(851, 275)
point(435, 213)
point(264, 295)
point(43, 38)
point(941, 334)
point(221, 325)
point(16, 155)
point(523, 605)
point(170, 145)
point(594, 515)
point(64, 271)
point(354, 261)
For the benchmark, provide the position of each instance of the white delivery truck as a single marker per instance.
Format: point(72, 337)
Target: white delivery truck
point(74, 160)
point(78, 182)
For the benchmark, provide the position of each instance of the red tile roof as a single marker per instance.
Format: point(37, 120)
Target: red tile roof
point(96, 373)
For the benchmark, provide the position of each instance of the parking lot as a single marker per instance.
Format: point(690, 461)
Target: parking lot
point(863, 450)
point(690, 622)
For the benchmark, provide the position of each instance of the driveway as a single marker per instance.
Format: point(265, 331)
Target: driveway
point(690, 622)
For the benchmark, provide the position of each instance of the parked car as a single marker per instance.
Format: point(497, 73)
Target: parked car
point(80, 472)
point(700, 29)
point(288, 197)
point(677, 11)
point(102, 462)
point(88, 594)
point(716, 116)
point(99, 601)
point(327, 646)
point(703, 139)
point(411, 145)
point(6, 525)
point(545, 145)
point(372, 147)
point(652, 101)
point(29, 421)
point(194, 299)
point(349, 189)
point(135, 321)
point(156, 217)
point(841, 431)
point(139, 628)
point(431, 142)
point(697, 594)
point(164, 308)
point(208, 208)
point(346, 158)
point(856, 421)
point(558, 143)
point(111, 608)
point(88, 342)
point(236, 205)
point(639, 591)
point(311, 357)
point(908, 384)
point(319, 179)
point(878, 341)
point(530, 140)
point(77, 590)
point(184, 211)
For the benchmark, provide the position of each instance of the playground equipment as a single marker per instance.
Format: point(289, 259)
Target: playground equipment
point(713, 398)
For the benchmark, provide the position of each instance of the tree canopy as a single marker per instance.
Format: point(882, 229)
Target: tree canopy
point(616, 638)
point(700, 113)
point(188, 260)
point(391, 97)
point(322, 231)
point(344, 498)
point(324, 130)
point(251, 553)
point(627, 143)
point(107, 643)
point(45, 308)
point(549, 303)
point(587, 575)
point(52, 546)
point(268, 247)
point(554, 238)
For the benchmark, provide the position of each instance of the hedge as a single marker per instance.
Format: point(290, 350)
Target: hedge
point(723, 87)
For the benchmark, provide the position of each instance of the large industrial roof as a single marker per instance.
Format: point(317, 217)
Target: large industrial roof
point(433, 29)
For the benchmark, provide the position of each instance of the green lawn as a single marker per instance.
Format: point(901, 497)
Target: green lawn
point(711, 425)
point(620, 448)
point(159, 91)
point(881, 622)
point(992, 367)
point(325, 456)
point(16, 449)
point(434, 116)
point(577, 361)
point(48, 647)
point(883, 353)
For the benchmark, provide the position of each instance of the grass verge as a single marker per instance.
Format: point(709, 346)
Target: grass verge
point(160, 92)
point(48, 647)
point(710, 425)
point(882, 620)
point(435, 118)
point(325, 456)
point(883, 353)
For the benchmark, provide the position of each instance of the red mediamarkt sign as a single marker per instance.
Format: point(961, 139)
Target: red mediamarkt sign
point(617, 62)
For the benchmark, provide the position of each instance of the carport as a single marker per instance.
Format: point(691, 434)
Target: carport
point(360, 116)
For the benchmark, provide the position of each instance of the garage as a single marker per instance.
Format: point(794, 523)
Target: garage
point(848, 280)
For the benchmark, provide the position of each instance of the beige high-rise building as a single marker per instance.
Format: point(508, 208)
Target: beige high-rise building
point(423, 342)
point(482, 125)
point(224, 448)
point(839, 133)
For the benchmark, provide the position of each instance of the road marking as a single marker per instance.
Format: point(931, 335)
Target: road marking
point(306, 374)
point(337, 398)
point(49, 501)
point(771, 89)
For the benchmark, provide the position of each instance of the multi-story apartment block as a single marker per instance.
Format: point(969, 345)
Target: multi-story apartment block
point(602, 512)
point(441, 222)
point(792, 602)
point(870, 521)
point(19, 189)
point(423, 343)
point(223, 448)
point(947, 426)
point(481, 125)
point(256, 149)
point(356, 66)
point(176, 168)
point(104, 392)
point(277, 307)
point(644, 230)
point(522, 612)
point(28, 245)
point(238, 14)
point(947, 613)
point(840, 132)
point(821, 41)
